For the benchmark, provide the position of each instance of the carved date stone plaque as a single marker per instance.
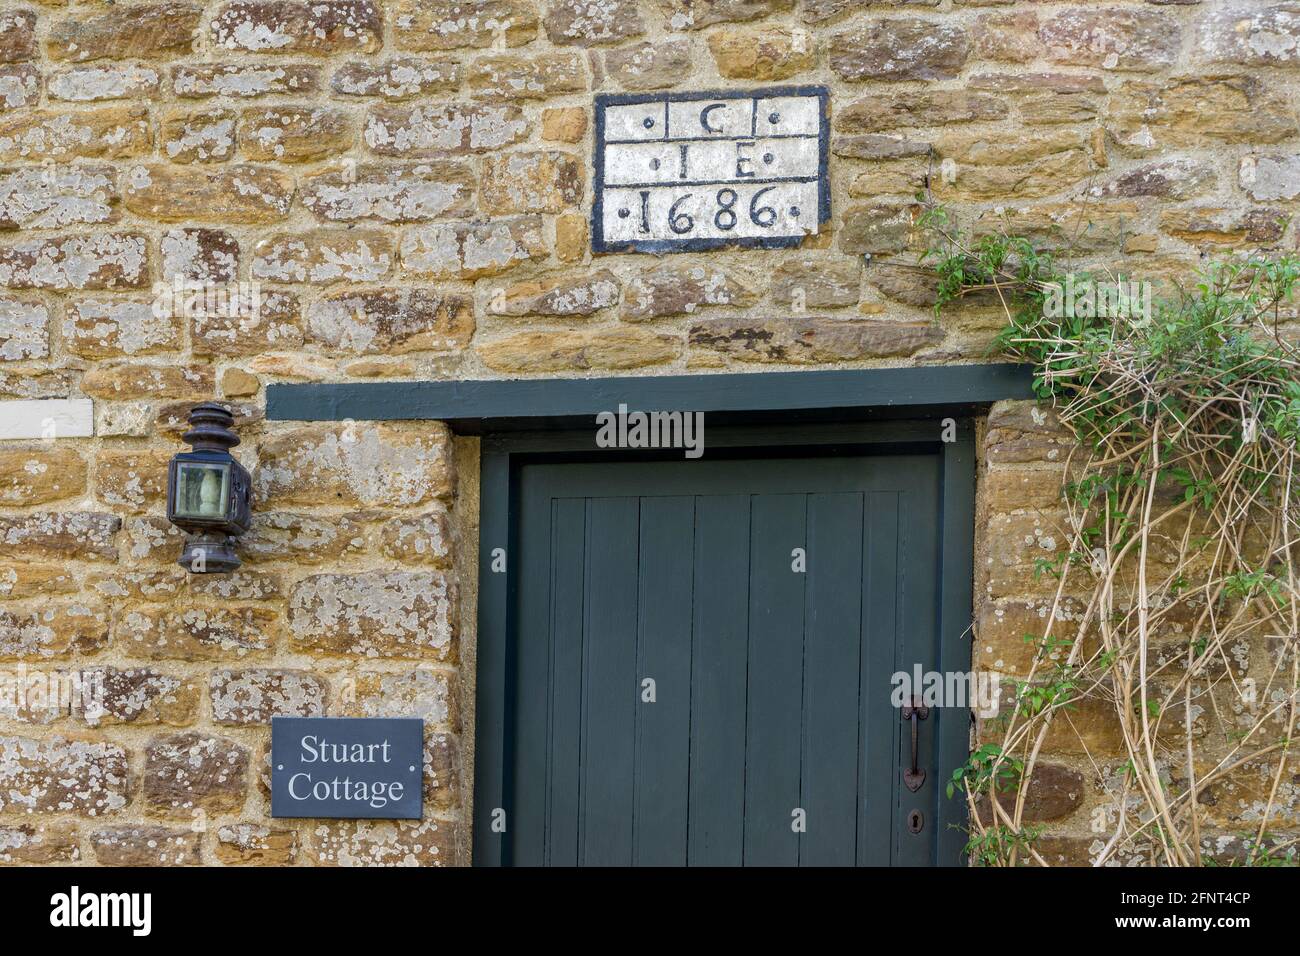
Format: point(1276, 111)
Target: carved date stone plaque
point(678, 172)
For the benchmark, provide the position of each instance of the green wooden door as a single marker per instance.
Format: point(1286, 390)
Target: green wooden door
point(702, 667)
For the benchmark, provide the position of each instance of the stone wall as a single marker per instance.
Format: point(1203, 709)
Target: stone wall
point(409, 182)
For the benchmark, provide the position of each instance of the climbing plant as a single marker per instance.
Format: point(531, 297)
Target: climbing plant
point(1181, 509)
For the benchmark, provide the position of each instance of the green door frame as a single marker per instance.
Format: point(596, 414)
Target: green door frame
point(533, 419)
point(503, 455)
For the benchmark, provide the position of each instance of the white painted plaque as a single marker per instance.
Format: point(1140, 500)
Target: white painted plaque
point(47, 418)
point(685, 171)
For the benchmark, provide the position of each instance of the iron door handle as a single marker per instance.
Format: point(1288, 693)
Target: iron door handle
point(914, 776)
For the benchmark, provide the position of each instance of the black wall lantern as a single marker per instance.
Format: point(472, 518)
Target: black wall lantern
point(208, 491)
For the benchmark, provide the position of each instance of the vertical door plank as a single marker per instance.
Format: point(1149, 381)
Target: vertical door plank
point(775, 699)
point(918, 549)
point(720, 625)
point(566, 644)
point(609, 676)
point(664, 656)
point(832, 644)
point(957, 492)
point(529, 682)
point(878, 725)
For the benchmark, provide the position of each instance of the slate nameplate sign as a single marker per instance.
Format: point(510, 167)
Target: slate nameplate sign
point(347, 767)
point(678, 172)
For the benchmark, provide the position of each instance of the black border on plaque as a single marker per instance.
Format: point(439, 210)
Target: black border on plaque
point(662, 246)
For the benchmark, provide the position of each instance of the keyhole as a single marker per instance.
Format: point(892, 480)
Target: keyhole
point(915, 821)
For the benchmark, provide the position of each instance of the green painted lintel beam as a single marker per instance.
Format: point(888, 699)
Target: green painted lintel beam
point(488, 404)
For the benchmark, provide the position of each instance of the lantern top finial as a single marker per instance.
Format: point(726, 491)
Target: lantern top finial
point(210, 428)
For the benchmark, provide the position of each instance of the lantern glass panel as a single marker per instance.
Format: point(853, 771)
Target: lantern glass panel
point(202, 489)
